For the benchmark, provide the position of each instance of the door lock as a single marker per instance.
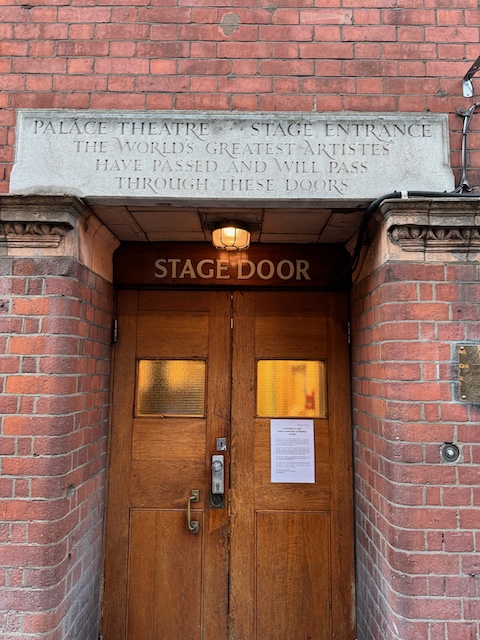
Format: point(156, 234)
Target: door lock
point(221, 444)
point(218, 482)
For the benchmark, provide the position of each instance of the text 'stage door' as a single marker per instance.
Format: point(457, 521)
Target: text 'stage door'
point(275, 562)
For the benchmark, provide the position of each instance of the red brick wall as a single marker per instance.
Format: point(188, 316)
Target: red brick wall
point(417, 517)
point(55, 323)
point(414, 539)
point(292, 55)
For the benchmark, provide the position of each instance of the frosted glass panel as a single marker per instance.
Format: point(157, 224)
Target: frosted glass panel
point(171, 388)
point(291, 388)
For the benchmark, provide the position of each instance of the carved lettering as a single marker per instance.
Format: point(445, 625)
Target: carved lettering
point(258, 166)
point(148, 128)
point(279, 129)
point(118, 165)
point(318, 186)
point(159, 185)
point(154, 147)
point(381, 131)
point(347, 167)
point(241, 156)
point(189, 166)
point(69, 127)
point(91, 146)
point(238, 149)
point(246, 184)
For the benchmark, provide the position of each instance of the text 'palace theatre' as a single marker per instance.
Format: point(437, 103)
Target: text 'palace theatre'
point(239, 320)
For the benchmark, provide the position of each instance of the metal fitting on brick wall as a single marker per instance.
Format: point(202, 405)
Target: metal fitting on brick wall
point(450, 452)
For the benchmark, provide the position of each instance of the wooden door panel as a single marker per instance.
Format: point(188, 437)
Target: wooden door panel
point(148, 486)
point(294, 531)
point(289, 336)
point(169, 439)
point(164, 587)
point(156, 303)
point(163, 582)
point(293, 581)
point(289, 303)
point(168, 460)
point(187, 336)
point(142, 573)
point(292, 496)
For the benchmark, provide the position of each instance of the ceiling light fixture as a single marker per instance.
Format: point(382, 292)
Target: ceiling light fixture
point(231, 236)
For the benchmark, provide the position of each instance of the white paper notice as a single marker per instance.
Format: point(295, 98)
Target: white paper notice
point(292, 448)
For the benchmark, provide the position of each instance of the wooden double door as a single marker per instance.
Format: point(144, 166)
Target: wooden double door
point(271, 560)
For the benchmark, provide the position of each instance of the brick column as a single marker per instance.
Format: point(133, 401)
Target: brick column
point(55, 335)
point(416, 301)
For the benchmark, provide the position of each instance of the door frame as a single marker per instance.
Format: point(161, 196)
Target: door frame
point(343, 577)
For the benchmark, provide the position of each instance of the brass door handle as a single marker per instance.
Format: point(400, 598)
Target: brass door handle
point(193, 525)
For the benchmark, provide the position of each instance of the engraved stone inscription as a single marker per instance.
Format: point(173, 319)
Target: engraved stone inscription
point(218, 157)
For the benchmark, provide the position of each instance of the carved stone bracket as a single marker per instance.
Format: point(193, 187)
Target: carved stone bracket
point(423, 229)
point(33, 234)
point(44, 226)
point(413, 237)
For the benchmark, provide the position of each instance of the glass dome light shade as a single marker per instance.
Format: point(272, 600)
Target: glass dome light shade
point(231, 237)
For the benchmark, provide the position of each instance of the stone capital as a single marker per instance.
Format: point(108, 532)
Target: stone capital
point(444, 229)
point(431, 229)
point(46, 226)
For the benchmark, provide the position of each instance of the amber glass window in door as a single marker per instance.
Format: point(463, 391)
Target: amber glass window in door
point(291, 389)
point(171, 388)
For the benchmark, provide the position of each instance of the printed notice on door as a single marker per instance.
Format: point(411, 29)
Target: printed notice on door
point(292, 448)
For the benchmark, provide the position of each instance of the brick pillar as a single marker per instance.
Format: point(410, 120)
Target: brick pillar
point(55, 335)
point(416, 302)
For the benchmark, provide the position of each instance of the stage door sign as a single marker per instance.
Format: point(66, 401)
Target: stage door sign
point(199, 264)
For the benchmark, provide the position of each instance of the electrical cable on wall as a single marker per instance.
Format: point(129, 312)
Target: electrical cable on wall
point(458, 192)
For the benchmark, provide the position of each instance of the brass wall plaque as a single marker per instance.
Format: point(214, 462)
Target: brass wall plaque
point(469, 376)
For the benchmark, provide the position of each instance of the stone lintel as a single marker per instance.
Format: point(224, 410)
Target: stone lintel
point(46, 226)
point(218, 157)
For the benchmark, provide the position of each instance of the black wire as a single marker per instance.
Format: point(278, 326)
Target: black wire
point(362, 232)
point(458, 192)
point(373, 206)
point(467, 115)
